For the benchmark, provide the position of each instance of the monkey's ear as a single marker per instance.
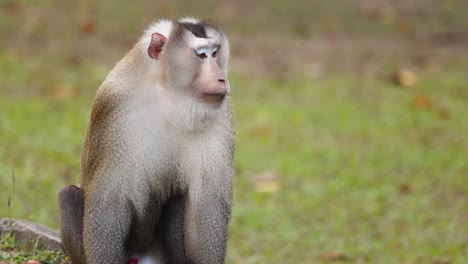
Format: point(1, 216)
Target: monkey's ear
point(155, 47)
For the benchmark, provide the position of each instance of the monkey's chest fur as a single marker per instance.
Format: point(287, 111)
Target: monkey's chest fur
point(152, 174)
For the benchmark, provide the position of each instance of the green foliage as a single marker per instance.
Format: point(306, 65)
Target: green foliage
point(12, 252)
point(363, 171)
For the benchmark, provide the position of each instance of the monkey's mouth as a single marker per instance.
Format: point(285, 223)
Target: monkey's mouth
point(213, 97)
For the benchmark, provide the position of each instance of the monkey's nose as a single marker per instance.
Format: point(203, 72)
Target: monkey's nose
point(221, 80)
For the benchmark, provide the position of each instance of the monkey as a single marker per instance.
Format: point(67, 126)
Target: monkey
point(157, 160)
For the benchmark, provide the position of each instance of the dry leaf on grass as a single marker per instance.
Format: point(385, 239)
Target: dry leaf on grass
point(421, 102)
point(240, 261)
point(267, 182)
point(334, 256)
point(406, 188)
point(62, 91)
point(261, 131)
point(405, 78)
point(441, 261)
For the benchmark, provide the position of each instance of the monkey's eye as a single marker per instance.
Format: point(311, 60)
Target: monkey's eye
point(201, 55)
point(214, 54)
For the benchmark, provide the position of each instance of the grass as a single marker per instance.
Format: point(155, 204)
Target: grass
point(14, 252)
point(367, 175)
point(363, 173)
point(367, 171)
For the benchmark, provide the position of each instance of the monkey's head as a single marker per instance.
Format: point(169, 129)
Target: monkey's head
point(194, 56)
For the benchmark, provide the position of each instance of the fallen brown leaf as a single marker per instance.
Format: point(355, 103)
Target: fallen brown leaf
point(87, 26)
point(441, 261)
point(406, 78)
point(443, 113)
point(87, 11)
point(261, 131)
point(240, 261)
point(421, 102)
point(406, 188)
point(266, 182)
point(334, 256)
point(62, 91)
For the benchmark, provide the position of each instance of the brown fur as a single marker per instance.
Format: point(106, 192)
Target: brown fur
point(157, 161)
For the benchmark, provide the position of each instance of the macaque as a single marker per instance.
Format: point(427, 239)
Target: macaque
point(157, 161)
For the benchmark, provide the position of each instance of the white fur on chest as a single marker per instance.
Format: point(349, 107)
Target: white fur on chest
point(184, 136)
point(204, 161)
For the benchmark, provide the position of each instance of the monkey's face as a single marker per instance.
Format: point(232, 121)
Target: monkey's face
point(210, 83)
point(196, 63)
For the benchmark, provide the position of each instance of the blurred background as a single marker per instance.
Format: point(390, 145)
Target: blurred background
point(351, 116)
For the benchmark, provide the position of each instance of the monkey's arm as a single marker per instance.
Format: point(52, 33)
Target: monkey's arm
point(207, 217)
point(107, 220)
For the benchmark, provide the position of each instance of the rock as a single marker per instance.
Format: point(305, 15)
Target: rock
point(28, 233)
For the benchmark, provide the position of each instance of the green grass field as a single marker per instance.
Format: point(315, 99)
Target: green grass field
point(359, 169)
